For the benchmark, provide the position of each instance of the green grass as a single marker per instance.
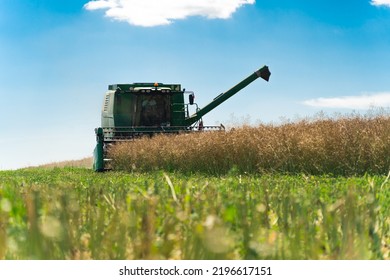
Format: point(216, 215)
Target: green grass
point(73, 213)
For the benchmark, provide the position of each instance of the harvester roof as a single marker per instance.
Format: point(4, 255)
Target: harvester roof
point(144, 87)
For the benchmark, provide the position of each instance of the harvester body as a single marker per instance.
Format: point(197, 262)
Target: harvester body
point(132, 110)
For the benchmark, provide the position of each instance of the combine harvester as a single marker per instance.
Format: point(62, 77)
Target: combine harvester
point(133, 110)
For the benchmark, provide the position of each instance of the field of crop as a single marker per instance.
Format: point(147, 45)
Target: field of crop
point(347, 145)
point(73, 213)
point(317, 189)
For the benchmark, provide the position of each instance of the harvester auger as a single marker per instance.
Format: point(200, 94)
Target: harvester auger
point(133, 110)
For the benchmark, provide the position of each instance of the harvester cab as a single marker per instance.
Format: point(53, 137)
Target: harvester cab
point(133, 110)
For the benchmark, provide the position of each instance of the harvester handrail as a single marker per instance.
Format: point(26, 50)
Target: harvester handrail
point(127, 133)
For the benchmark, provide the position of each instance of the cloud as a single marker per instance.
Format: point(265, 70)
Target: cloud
point(352, 102)
point(380, 3)
point(149, 13)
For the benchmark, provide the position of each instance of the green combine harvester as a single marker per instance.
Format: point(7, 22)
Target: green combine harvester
point(133, 110)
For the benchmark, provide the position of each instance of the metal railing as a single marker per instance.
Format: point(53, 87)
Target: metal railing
point(129, 133)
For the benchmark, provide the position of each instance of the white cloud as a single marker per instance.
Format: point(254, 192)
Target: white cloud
point(380, 3)
point(162, 12)
point(352, 102)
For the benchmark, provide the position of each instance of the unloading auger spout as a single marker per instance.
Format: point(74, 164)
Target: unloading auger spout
point(263, 73)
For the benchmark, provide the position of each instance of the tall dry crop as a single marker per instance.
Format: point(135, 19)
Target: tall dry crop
point(343, 146)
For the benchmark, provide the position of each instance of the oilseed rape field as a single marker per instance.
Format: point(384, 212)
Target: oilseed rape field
point(311, 189)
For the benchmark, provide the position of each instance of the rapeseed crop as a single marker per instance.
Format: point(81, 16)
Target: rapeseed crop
point(346, 145)
point(309, 189)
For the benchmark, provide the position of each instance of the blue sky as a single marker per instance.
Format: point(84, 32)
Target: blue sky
point(57, 58)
